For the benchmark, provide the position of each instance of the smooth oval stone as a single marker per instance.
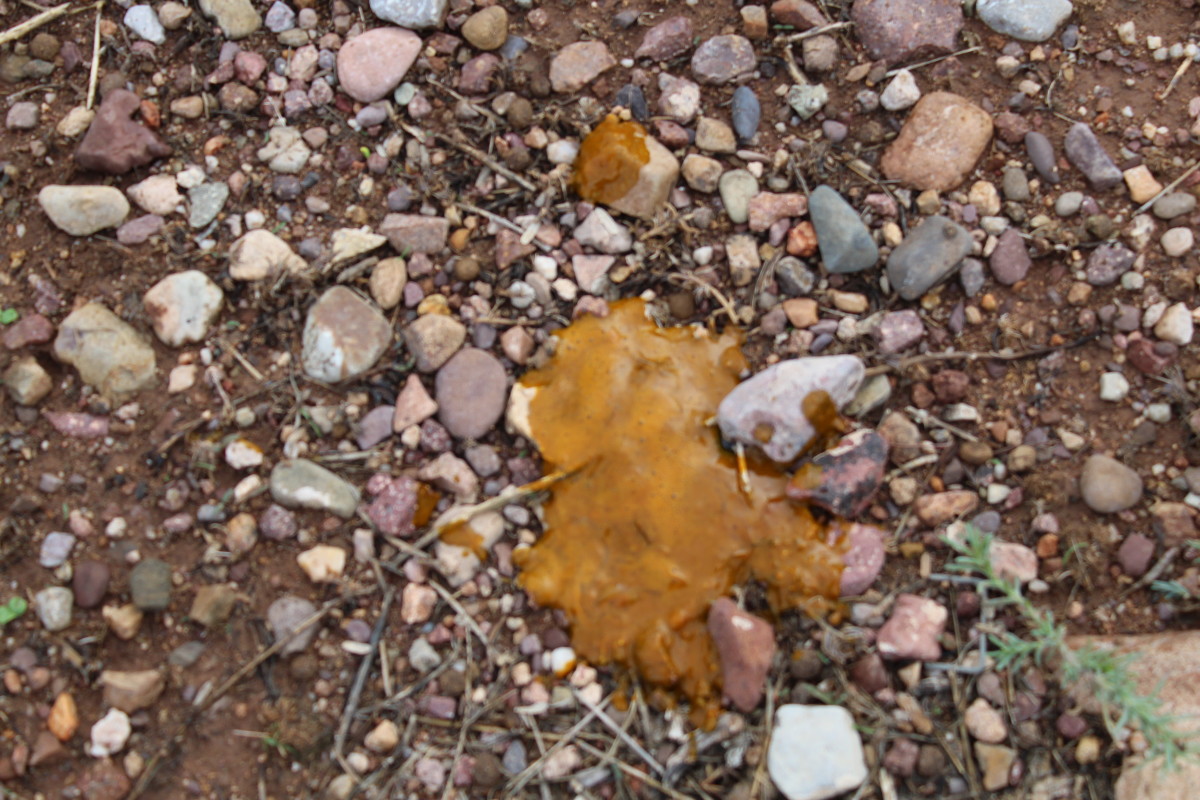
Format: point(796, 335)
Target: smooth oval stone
point(929, 255)
point(1041, 153)
point(846, 244)
point(746, 113)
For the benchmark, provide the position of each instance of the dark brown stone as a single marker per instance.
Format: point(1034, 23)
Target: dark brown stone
point(905, 30)
point(114, 143)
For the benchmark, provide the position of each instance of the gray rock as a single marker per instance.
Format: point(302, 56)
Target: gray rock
point(471, 391)
point(846, 244)
point(794, 278)
point(746, 112)
point(84, 210)
point(1041, 153)
point(56, 547)
point(1107, 263)
point(1015, 185)
point(23, 116)
point(183, 306)
point(54, 605)
point(1175, 204)
point(1027, 20)
point(1108, 486)
point(205, 202)
point(299, 483)
point(144, 22)
point(736, 187)
point(150, 585)
point(415, 14)
point(285, 615)
point(774, 400)
point(928, 255)
point(815, 752)
point(971, 276)
point(186, 654)
point(1068, 204)
point(280, 17)
point(108, 353)
point(807, 99)
point(1010, 261)
point(1089, 157)
point(344, 336)
point(422, 657)
point(237, 18)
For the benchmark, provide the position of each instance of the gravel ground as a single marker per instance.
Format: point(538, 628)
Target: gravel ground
point(536, 399)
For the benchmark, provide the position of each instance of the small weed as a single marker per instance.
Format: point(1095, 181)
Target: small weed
point(1172, 590)
point(12, 610)
point(9, 315)
point(1105, 673)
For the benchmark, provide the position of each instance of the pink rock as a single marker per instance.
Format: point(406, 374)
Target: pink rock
point(373, 63)
point(375, 427)
point(669, 38)
point(1135, 555)
point(746, 645)
point(393, 508)
point(413, 405)
point(864, 560)
point(77, 424)
point(34, 329)
point(137, 231)
point(578, 64)
point(476, 75)
point(249, 67)
point(898, 331)
point(417, 603)
point(1013, 562)
point(913, 630)
point(767, 208)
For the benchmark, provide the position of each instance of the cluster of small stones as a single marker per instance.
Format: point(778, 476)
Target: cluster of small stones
point(260, 195)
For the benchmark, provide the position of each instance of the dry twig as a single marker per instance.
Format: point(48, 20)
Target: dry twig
point(33, 23)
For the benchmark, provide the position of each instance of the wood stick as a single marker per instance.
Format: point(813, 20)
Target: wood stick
point(93, 78)
point(33, 23)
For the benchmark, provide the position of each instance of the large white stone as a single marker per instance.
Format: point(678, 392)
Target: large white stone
point(261, 254)
point(183, 306)
point(344, 336)
point(83, 210)
point(815, 752)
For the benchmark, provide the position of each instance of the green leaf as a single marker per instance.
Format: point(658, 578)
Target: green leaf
point(13, 609)
point(8, 316)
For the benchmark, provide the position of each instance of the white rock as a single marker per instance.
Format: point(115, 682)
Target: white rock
point(243, 454)
point(1113, 387)
point(110, 733)
point(901, 93)
point(145, 23)
point(84, 210)
point(349, 243)
point(563, 151)
point(1175, 325)
point(75, 122)
point(601, 232)
point(285, 151)
point(54, 605)
point(181, 378)
point(815, 752)
point(323, 563)
point(411, 13)
point(183, 306)
point(261, 254)
point(158, 194)
point(562, 660)
point(1178, 242)
point(383, 737)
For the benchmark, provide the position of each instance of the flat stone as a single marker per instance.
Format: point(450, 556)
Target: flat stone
point(114, 143)
point(1109, 262)
point(1089, 157)
point(907, 30)
point(158, 194)
point(30, 329)
point(236, 18)
point(846, 244)
point(83, 210)
point(745, 646)
point(670, 38)
point(942, 507)
point(800, 14)
point(995, 762)
point(285, 152)
point(182, 307)
point(90, 583)
point(941, 141)
point(898, 331)
point(416, 14)
point(150, 585)
point(433, 339)
point(745, 112)
point(1027, 20)
point(261, 255)
point(767, 208)
point(323, 563)
point(930, 254)
point(415, 233)
point(723, 59)
point(1013, 562)
point(678, 98)
point(372, 64)
point(142, 20)
point(139, 229)
point(578, 64)
point(205, 202)
point(863, 562)
point(107, 352)
point(1174, 204)
point(1108, 486)
point(55, 549)
point(601, 232)
point(344, 336)
point(213, 604)
point(471, 391)
point(23, 116)
point(771, 402)
point(815, 752)
point(737, 187)
point(914, 630)
point(299, 483)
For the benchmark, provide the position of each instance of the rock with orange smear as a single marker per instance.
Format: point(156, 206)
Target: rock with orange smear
point(64, 717)
point(626, 169)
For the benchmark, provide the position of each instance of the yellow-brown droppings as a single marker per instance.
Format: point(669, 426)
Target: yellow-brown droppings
point(652, 528)
point(427, 500)
point(609, 160)
point(822, 413)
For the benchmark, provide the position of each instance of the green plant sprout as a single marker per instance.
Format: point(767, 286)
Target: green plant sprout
point(9, 315)
point(1107, 674)
point(12, 610)
point(1172, 590)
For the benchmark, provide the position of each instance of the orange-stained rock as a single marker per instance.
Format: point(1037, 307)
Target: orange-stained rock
point(624, 168)
point(64, 717)
point(650, 528)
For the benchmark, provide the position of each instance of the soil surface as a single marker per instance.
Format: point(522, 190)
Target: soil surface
point(472, 725)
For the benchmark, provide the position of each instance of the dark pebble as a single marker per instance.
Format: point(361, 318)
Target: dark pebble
point(90, 583)
point(286, 187)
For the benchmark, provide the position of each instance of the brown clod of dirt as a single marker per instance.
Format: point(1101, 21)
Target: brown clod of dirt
point(651, 527)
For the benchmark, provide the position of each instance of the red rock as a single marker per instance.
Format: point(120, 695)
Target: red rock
point(767, 208)
point(843, 480)
point(746, 645)
point(476, 75)
point(870, 674)
point(800, 14)
point(950, 385)
point(1146, 359)
point(901, 758)
point(864, 560)
point(393, 508)
point(104, 780)
point(114, 143)
point(907, 30)
point(1135, 555)
point(669, 38)
point(1011, 127)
